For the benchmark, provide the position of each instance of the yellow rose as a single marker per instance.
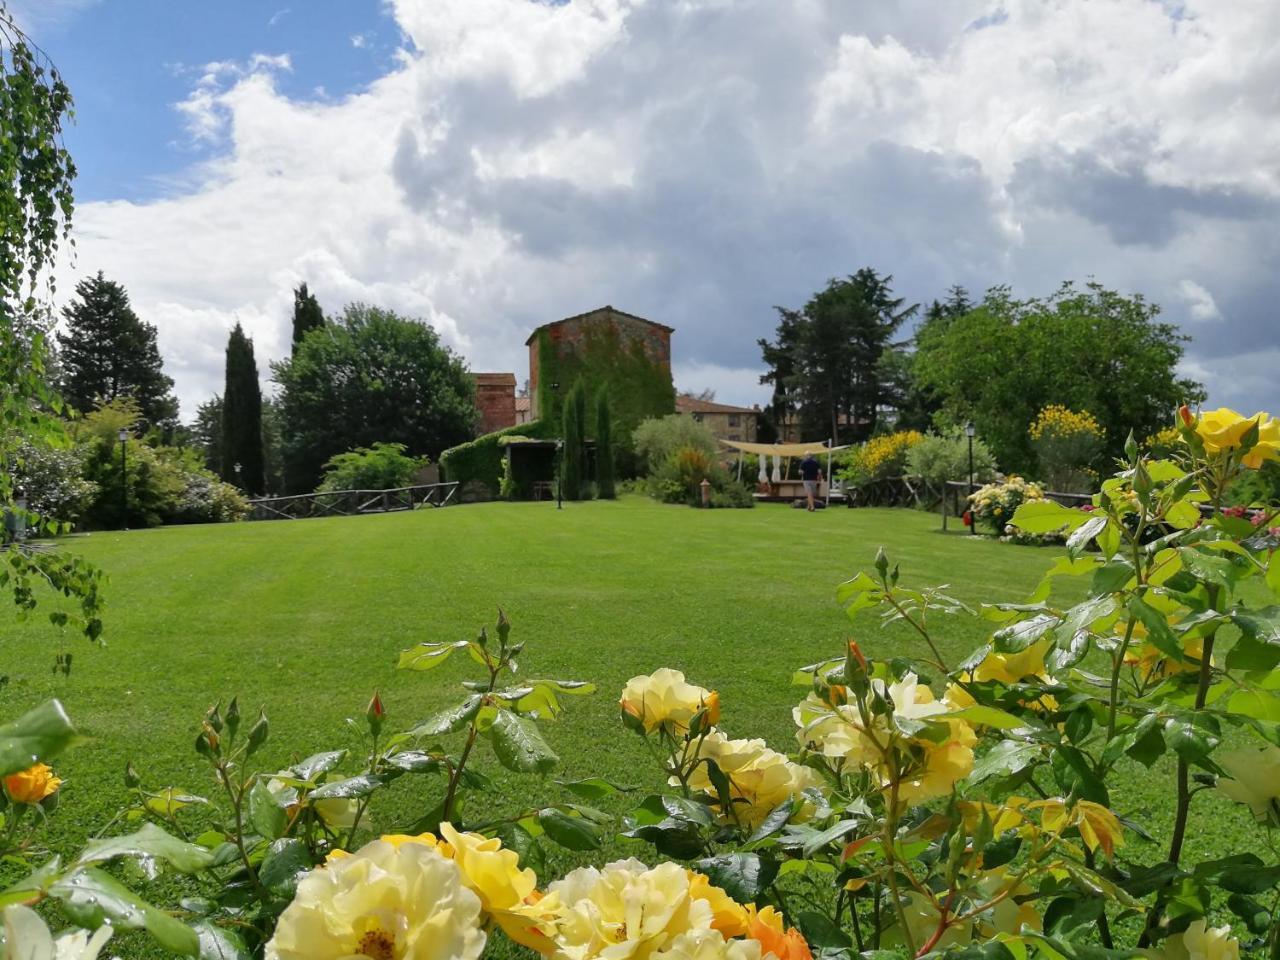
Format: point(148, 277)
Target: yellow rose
point(507, 893)
point(1198, 942)
point(1254, 780)
point(1222, 430)
point(32, 785)
point(384, 902)
point(27, 937)
point(663, 699)
point(727, 915)
point(760, 779)
point(624, 909)
point(1268, 445)
point(708, 945)
point(338, 813)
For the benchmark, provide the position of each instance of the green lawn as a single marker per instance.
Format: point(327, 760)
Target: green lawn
point(308, 617)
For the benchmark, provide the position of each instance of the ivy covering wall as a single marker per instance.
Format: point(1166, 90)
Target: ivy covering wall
point(481, 459)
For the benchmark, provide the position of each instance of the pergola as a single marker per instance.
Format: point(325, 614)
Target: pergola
point(781, 451)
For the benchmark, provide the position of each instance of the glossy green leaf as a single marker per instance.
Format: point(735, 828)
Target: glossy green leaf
point(92, 898)
point(1005, 758)
point(1047, 516)
point(593, 788)
point(518, 744)
point(570, 832)
point(449, 721)
point(745, 877)
point(285, 860)
point(352, 787)
point(266, 816)
point(428, 656)
point(219, 943)
point(1018, 636)
point(149, 843)
point(36, 736)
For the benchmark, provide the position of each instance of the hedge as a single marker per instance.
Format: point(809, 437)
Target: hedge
point(481, 459)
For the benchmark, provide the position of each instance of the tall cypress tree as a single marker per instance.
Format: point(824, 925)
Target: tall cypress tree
point(242, 417)
point(307, 314)
point(107, 353)
point(604, 447)
point(571, 460)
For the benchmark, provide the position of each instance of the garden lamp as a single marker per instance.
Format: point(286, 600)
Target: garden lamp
point(969, 431)
point(123, 434)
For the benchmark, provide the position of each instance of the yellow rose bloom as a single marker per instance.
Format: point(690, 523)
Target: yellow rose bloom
point(663, 699)
point(1254, 780)
point(384, 902)
point(1198, 942)
point(708, 945)
point(1222, 430)
point(624, 910)
point(1268, 445)
point(727, 915)
point(760, 779)
point(338, 813)
point(32, 785)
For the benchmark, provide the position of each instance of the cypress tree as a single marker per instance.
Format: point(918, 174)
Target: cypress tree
point(242, 417)
point(107, 353)
point(604, 447)
point(571, 449)
point(307, 314)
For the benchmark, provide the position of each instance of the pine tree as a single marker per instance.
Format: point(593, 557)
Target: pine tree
point(571, 465)
point(242, 417)
point(107, 353)
point(307, 314)
point(604, 447)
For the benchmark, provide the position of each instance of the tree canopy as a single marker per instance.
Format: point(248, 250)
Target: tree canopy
point(1090, 349)
point(307, 315)
point(107, 352)
point(375, 376)
point(825, 359)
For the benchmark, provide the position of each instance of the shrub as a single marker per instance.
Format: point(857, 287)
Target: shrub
point(52, 478)
point(604, 447)
point(657, 439)
point(1067, 445)
point(940, 458)
point(383, 466)
point(995, 503)
point(733, 494)
point(573, 453)
point(879, 458)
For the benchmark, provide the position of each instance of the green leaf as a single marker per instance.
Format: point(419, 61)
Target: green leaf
point(1070, 916)
point(1004, 759)
point(1047, 516)
point(1208, 568)
point(984, 716)
point(316, 765)
point(266, 816)
point(860, 584)
point(572, 833)
point(1255, 916)
point(819, 930)
point(1263, 625)
point(36, 736)
point(1017, 637)
point(285, 859)
point(525, 845)
point(743, 876)
point(217, 943)
point(672, 837)
point(414, 761)
point(593, 788)
point(149, 843)
point(1250, 654)
point(352, 787)
point(1190, 742)
point(92, 898)
point(775, 821)
point(1273, 573)
point(449, 721)
point(1111, 578)
point(428, 656)
point(833, 833)
point(519, 746)
point(1158, 631)
point(1082, 534)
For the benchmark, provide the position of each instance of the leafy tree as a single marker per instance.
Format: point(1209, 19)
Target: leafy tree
point(272, 452)
point(206, 432)
point(36, 173)
point(604, 447)
point(1093, 349)
point(107, 352)
point(825, 361)
point(915, 405)
point(242, 459)
point(383, 466)
point(307, 314)
point(572, 453)
point(375, 376)
point(658, 438)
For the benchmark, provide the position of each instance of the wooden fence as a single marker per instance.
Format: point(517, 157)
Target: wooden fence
point(347, 503)
point(955, 498)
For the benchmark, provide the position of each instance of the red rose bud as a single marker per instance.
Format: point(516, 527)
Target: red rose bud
point(1185, 415)
point(374, 713)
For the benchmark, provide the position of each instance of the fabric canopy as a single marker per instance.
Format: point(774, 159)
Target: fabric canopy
point(781, 449)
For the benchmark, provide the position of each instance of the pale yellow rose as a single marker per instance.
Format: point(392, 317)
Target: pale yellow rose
point(834, 731)
point(384, 902)
point(27, 938)
point(32, 785)
point(663, 699)
point(1198, 942)
point(1254, 780)
point(338, 813)
point(760, 779)
point(623, 910)
point(708, 945)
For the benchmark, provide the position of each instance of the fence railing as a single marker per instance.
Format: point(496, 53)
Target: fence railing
point(347, 503)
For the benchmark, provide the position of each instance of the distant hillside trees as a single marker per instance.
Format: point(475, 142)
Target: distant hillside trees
point(375, 376)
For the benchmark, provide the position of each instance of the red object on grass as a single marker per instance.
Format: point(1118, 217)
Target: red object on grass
point(967, 517)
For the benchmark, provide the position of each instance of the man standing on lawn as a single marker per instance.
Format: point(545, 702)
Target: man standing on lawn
point(811, 474)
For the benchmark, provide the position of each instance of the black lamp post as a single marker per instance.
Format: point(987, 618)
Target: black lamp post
point(123, 434)
point(969, 431)
point(238, 481)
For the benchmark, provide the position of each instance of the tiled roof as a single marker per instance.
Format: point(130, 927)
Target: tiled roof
point(694, 405)
point(611, 309)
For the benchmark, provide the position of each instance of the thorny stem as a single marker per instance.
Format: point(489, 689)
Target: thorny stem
point(237, 806)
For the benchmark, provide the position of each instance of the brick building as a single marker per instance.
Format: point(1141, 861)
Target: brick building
point(726, 421)
point(496, 400)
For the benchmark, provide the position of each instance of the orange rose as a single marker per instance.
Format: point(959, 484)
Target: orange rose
point(765, 927)
point(32, 785)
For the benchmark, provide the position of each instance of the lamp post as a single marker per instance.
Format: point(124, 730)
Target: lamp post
point(555, 388)
point(238, 483)
point(123, 434)
point(969, 431)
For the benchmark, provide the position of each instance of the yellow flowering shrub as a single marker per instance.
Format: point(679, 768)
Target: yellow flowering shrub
point(878, 458)
point(1067, 444)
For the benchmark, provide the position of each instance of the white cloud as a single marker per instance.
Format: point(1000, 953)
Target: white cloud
point(700, 161)
point(1200, 303)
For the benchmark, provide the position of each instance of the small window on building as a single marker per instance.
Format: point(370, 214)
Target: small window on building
point(734, 421)
point(698, 417)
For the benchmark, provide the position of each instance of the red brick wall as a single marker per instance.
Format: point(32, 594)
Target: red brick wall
point(497, 406)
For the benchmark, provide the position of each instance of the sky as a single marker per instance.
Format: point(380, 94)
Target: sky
point(492, 165)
